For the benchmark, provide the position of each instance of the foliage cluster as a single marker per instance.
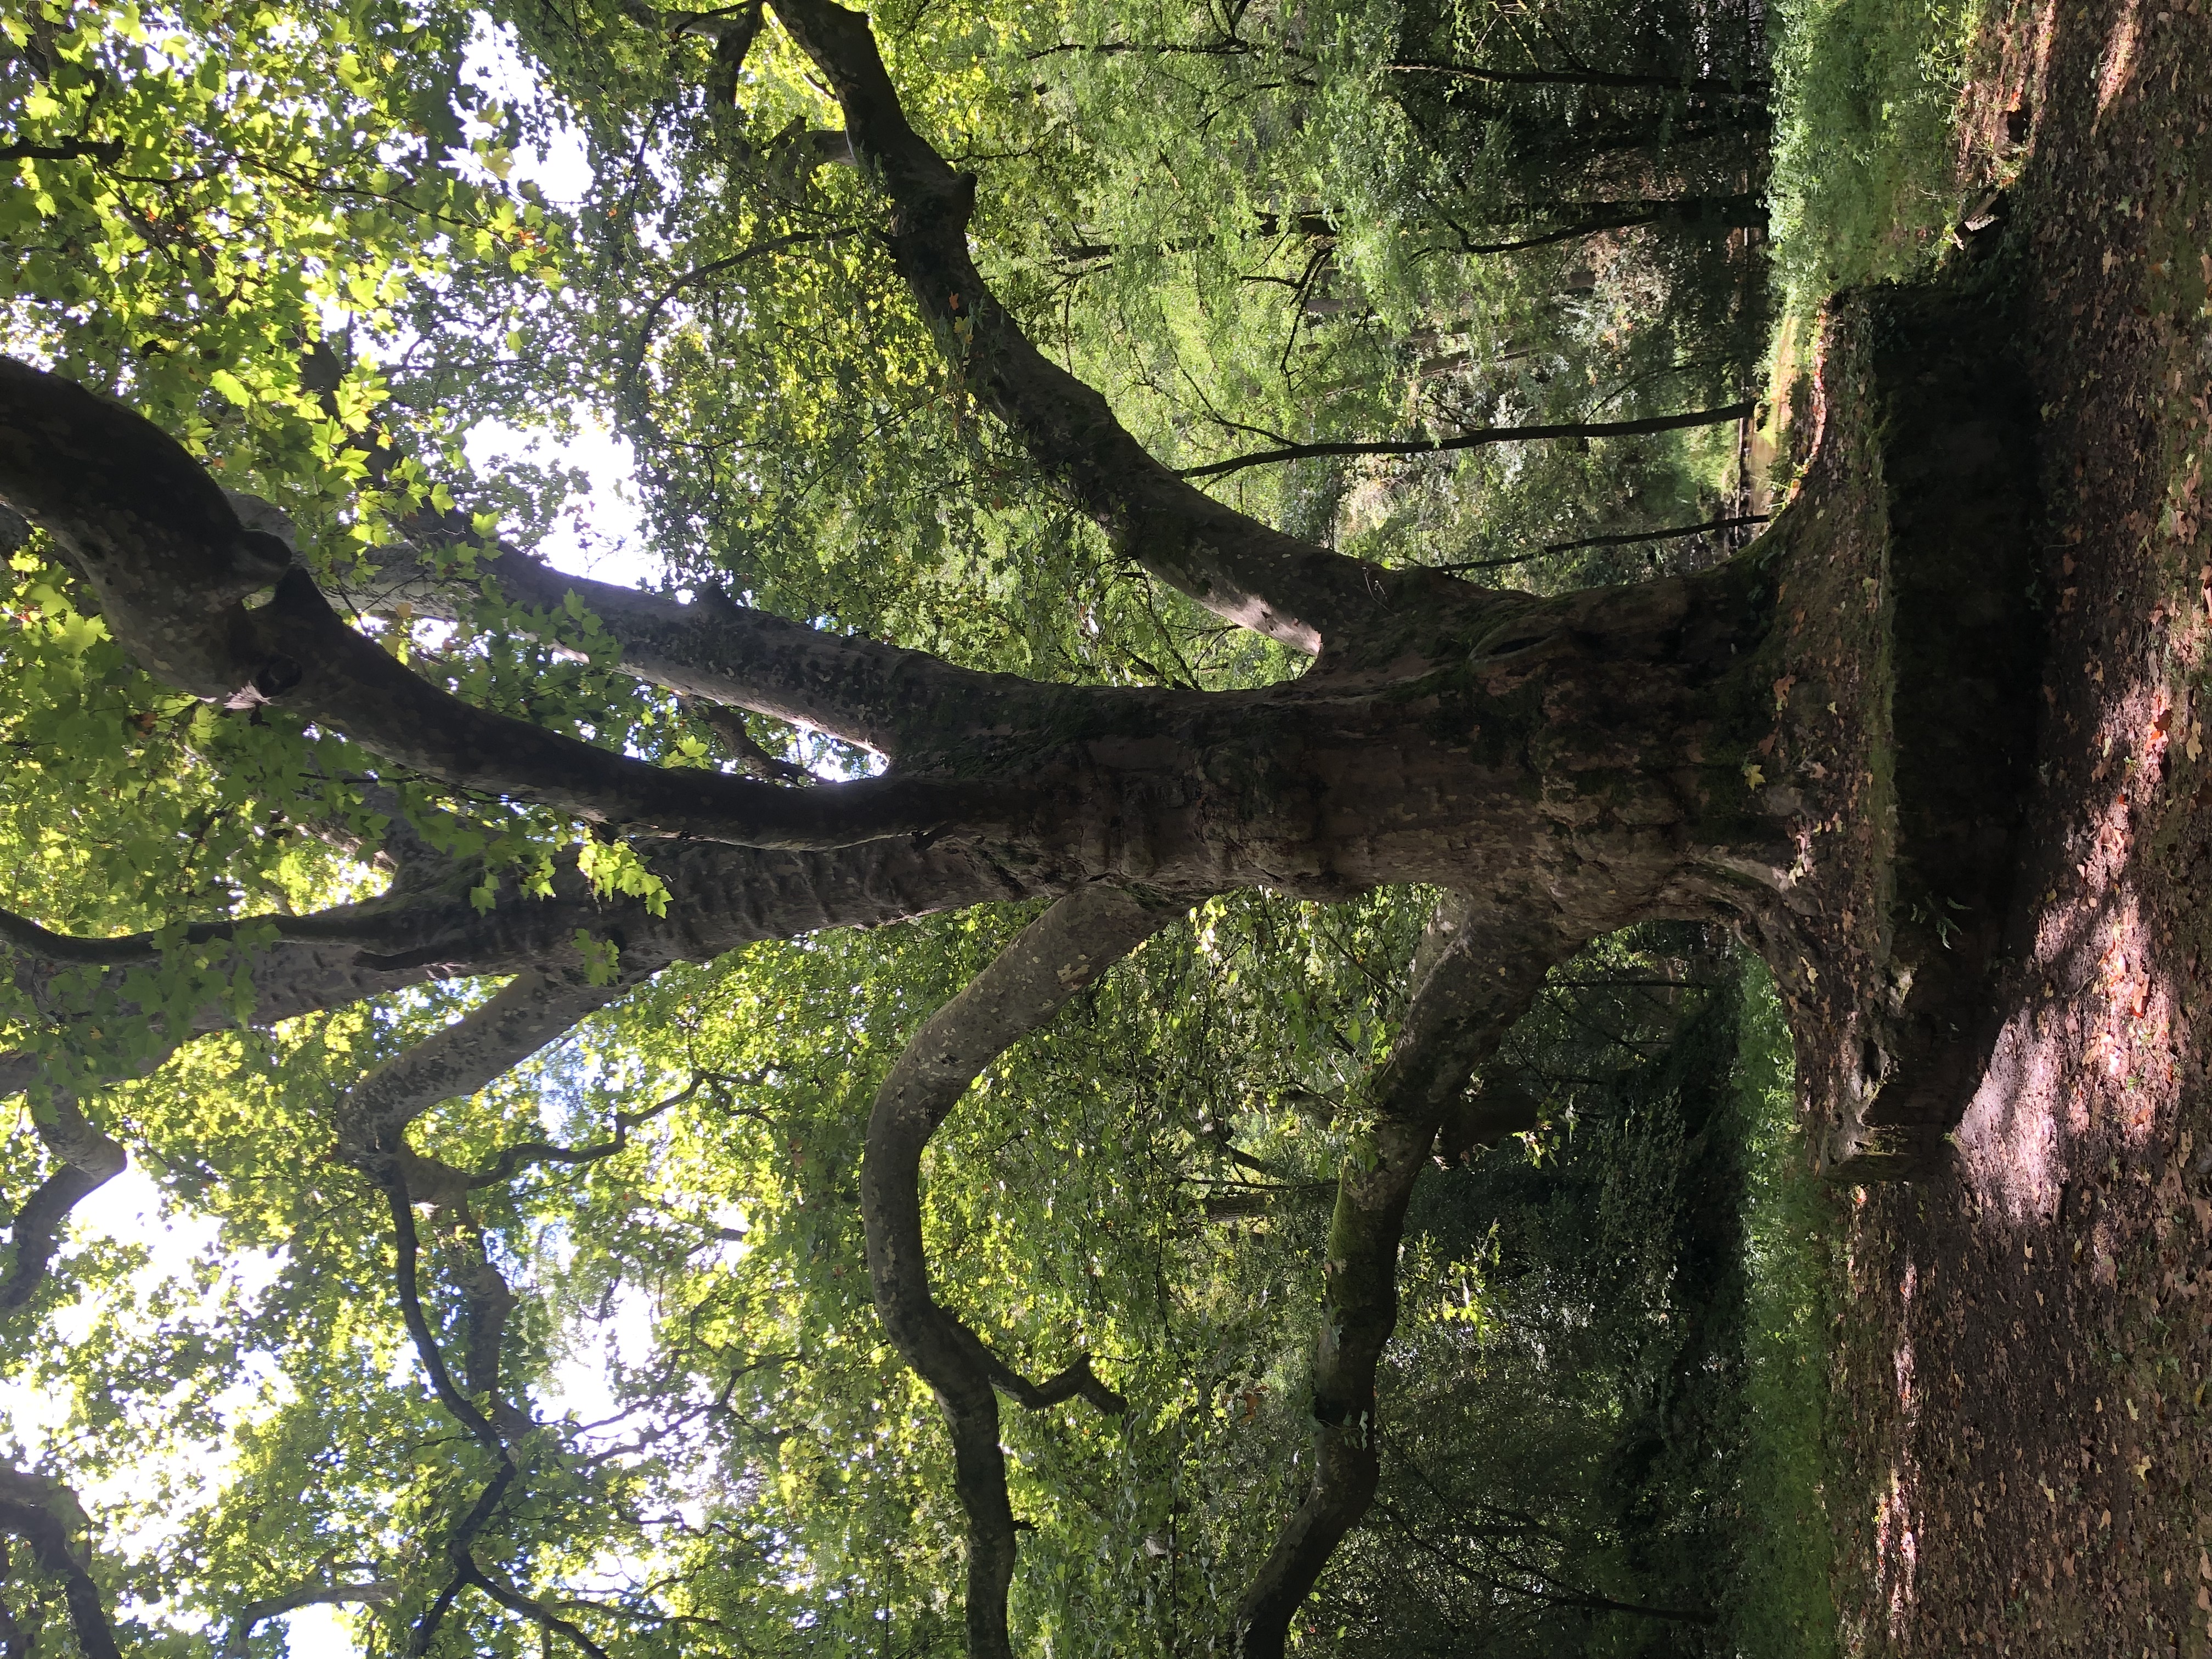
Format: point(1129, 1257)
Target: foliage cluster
point(1606, 1433)
point(1866, 153)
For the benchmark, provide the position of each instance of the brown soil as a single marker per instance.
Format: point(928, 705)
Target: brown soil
point(2022, 1425)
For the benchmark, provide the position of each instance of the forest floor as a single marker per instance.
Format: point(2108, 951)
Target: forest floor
point(2020, 1429)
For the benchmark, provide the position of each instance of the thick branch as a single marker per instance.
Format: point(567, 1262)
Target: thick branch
point(731, 896)
point(375, 1591)
point(172, 566)
point(534, 1008)
point(85, 1161)
point(719, 651)
point(46, 1515)
point(1477, 438)
point(78, 949)
point(1060, 952)
point(1290, 589)
point(1481, 966)
point(108, 150)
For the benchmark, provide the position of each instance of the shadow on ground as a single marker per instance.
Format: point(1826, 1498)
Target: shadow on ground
point(2021, 1426)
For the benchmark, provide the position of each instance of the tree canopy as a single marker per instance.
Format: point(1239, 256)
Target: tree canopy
point(1125, 760)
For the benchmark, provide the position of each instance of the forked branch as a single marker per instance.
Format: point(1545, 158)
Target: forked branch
point(1481, 966)
point(1063, 951)
point(46, 1515)
point(173, 568)
point(85, 1160)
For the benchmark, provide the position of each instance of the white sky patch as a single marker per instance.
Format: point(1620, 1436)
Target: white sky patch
point(318, 1633)
point(582, 1385)
point(493, 61)
point(602, 536)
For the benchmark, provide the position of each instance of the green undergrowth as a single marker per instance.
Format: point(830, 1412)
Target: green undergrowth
point(1865, 183)
point(1782, 1605)
point(1606, 1408)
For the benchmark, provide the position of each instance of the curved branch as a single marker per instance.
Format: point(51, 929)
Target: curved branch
point(1477, 438)
point(46, 1515)
point(172, 566)
point(1063, 951)
point(1480, 965)
point(85, 1161)
point(1290, 589)
point(349, 681)
point(408, 1248)
point(532, 1010)
point(374, 1591)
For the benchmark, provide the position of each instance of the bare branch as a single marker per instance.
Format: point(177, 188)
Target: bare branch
point(1290, 589)
point(513, 1159)
point(1064, 950)
point(1628, 540)
point(1693, 86)
point(728, 726)
point(1477, 438)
